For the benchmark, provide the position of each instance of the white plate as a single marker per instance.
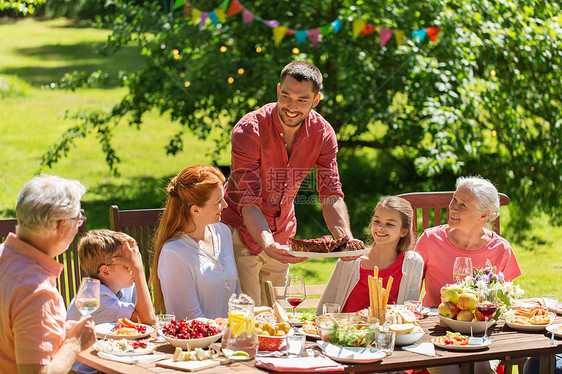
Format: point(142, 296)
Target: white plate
point(471, 347)
point(551, 328)
point(313, 336)
point(464, 327)
point(103, 346)
point(350, 355)
point(357, 252)
point(103, 331)
point(517, 326)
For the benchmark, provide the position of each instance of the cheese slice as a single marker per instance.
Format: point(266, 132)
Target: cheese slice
point(178, 355)
point(280, 313)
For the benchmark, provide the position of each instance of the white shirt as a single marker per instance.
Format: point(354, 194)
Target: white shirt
point(196, 283)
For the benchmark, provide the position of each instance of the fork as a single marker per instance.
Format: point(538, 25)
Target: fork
point(552, 337)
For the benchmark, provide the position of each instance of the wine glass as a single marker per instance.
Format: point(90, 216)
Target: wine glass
point(462, 268)
point(88, 296)
point(487, 306)
point(295, 292)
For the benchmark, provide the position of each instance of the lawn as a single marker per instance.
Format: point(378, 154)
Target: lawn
point(40, 52)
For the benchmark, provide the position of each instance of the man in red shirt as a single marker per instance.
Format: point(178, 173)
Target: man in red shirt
point(273, 149)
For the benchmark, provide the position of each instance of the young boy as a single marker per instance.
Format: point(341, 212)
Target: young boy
point(114, 259)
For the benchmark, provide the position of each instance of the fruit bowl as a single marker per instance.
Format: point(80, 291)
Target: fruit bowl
point(464, 327)
point(193, 343)
point(347, 329)
point(270, 343)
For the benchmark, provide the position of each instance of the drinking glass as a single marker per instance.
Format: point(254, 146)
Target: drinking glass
point(487, 306)
point(295, 345)
point(462, 268)
point(385, 341)
point(550, 302)
point(331, 308)
point(161, 321)
point(295, 293)
point(88, 296)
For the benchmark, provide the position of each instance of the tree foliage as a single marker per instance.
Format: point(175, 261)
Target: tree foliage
point(23, 7)
point(484, 99)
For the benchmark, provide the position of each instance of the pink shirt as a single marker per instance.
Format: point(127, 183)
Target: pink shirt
point(439, 256)
point(263, 174)
point(359, 298)
point(32, 311)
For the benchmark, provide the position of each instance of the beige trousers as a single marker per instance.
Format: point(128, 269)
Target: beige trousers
point(253, 271)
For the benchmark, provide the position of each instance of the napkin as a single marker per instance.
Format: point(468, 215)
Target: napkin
point(301, 364)
point(425, 348)
point(142, 359)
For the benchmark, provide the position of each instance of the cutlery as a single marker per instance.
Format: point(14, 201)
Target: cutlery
point(552, 337)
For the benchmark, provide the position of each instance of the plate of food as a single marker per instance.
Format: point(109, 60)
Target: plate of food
point(124, 328)
point(300, 318)
point(535, 318)
point(124, 347)
point(455, 341)
point(350, 355)
point(310, 330)
point(556, 328)
point(326, 246)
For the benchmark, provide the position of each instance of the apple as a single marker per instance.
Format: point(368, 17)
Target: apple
point(479, 316)
point(447, 309)
point(452, 295)
point(465, 315)
point(467, 301)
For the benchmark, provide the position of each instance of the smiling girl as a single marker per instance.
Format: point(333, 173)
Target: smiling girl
point(391, 252)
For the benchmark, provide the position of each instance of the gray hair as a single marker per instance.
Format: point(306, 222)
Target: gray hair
point(485, 193)
point(45, 200)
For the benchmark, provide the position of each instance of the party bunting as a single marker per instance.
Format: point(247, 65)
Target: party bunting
point(229, 8)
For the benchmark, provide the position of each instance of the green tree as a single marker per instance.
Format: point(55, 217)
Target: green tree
point(483, 99)
point(19, 6)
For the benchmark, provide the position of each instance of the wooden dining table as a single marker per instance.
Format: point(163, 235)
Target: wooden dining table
point(508, 344)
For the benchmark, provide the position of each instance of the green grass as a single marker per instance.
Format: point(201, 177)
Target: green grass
point(40, 52)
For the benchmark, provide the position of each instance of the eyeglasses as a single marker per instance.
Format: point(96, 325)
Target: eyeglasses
point(80, 219)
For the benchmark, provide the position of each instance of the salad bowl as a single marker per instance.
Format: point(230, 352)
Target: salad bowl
point(347, 329)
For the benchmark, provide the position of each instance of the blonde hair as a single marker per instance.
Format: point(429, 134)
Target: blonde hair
point(192, 186)
point(97, 248)
point(403, 207)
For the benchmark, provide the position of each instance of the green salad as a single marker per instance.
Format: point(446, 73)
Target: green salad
point(356, 336)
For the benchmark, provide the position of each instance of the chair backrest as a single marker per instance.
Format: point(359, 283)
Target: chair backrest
point(69, 280)
point(141, 224)
point(434, 202)
point(274, 294)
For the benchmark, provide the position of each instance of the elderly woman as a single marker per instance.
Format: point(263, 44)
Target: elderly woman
point(474, 205)
point(194, 273)
point(33, 334)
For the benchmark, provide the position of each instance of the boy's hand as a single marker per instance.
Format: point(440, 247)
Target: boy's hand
point(130, 256)
point(83, 331)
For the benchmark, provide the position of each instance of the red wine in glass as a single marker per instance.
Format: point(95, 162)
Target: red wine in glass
point(487, 310)
point(295, 292)
point(487, 305)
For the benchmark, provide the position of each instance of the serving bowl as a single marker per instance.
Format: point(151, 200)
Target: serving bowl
point(464, 327)
point(270, 343)
point(193, 343)
point(407, 339)
point(347, 329)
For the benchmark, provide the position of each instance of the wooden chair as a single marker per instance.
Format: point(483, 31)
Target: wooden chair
point(69, 280)
point(141, 224)
point(274, 294)
point(436, 201)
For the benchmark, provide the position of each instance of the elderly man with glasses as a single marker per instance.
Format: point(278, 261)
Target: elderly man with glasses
point(34, 337)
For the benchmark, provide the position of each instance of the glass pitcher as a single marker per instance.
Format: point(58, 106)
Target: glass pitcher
point(240, 333)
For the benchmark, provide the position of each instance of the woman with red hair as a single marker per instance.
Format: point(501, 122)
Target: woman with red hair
point(193, 251)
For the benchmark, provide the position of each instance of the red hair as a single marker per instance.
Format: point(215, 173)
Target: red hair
point(192, 186)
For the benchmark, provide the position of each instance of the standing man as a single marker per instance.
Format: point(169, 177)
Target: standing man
point(273, 149)
point(33, 335)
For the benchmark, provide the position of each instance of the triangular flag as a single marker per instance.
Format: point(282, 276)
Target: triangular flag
point(432, 32)
point(358, 26)
point(224, 5)
point(385, 35)
point(220, 15)
point(301, 36)
point(178, 3)
point(187, 7)
point(204, 17)
point(325, 30)
point(313, 36)
point(247, 16)
point(336, 25)
point(278, 34)
point(195, 15)
point(290, 32)
point(419, 34)
point(271, 23)
point(234, 8)
point(368, 30)
point(399, 35)
point(214, 18)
